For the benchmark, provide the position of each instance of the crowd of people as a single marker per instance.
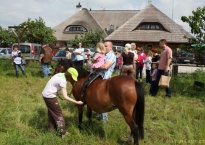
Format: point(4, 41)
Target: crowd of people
point(130, 62)
point(133, 60)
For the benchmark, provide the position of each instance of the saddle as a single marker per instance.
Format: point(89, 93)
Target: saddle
point(93, 76)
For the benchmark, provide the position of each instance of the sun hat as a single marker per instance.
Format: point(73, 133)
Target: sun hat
point(73, 73)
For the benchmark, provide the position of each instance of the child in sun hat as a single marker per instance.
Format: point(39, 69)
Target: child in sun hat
point(56, 83)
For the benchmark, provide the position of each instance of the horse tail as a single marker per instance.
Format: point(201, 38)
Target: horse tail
point(139, 109)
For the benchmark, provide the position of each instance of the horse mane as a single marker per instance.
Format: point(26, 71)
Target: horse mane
point(67, 63)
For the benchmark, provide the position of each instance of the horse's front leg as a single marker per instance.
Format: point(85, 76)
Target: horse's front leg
point(80, 116)
point(89, 114)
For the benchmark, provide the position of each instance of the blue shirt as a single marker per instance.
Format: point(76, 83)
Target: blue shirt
point(79, 57)
point(110, 56)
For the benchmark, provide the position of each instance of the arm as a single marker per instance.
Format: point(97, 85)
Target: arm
point(78, 52)
point(41, 56)
point(167, 65)
point(66, 97)
point(133, 62)
point(105, 66)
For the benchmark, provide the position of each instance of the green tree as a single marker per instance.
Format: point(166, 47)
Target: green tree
point(37, 32)
point(6, 37)
point(197, 24)
point(89, 39)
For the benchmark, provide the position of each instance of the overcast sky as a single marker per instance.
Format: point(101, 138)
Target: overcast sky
point(53, 12)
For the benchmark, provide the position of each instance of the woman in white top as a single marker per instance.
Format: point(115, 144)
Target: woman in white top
point(17, 60)
point(68, 54)
point(56, 83)
point(148, 63)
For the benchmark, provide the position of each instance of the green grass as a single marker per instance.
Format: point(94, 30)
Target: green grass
point(174, 121)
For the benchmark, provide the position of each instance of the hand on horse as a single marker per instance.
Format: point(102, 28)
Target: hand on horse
point(79, 103)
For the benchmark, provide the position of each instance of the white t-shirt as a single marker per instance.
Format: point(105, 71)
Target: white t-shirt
point(54, 85)
point(148, 62)
point(79, 57)
point(17, 59)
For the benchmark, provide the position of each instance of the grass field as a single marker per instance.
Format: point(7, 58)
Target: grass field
point(177, 120)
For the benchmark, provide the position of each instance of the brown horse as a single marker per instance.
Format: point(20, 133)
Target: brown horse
point(119, 92)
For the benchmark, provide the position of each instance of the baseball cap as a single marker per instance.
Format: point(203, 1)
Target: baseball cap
point(73, 73)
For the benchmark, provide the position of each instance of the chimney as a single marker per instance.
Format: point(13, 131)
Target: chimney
point(78, 7)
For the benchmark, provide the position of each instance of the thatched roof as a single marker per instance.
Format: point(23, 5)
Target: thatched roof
point(106, 18)
point(82, 18)
point(93, 19)
point(128, 31)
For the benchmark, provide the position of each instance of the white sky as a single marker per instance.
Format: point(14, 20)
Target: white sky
point(53, 12)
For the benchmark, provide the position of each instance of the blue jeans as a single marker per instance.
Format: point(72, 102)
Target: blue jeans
point(45, 69)
point(16, 66)
point(168, 89)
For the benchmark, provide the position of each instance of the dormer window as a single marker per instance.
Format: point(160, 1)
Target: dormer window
point(75, 28)
point(150, 26)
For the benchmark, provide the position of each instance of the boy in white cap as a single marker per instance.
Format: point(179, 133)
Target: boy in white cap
point(56, 83)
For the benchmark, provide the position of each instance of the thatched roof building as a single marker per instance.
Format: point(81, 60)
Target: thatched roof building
point(145, 27)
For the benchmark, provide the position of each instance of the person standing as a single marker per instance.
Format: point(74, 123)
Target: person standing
point(134, 50)
point(140, 65)
point(128, 61)
point(17, 60)
point(148, 62)
point(45, 59)
point(107, 69)
point(56, 83)
point(164, 63)
point(79, 54)
point(153, 74)
point(89, 64)
point(68, 54)
point(156, 57)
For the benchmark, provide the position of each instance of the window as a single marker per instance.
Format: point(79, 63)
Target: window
point(25, 48)
point(150, 26)
point(4, 51)
point(37, 49)
point(75, 28)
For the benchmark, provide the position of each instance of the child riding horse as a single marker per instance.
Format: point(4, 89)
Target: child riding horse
point(119, 92)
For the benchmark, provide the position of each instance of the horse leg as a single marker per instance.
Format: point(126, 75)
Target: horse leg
point(80, 117)
point(133, 127)
point(89, 114)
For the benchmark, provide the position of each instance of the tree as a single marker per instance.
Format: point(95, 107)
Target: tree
point(197, 24)
point(37, 32)
point(89, 39)
point(7, 38)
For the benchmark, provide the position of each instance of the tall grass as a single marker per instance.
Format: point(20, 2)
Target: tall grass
point(178, 120)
